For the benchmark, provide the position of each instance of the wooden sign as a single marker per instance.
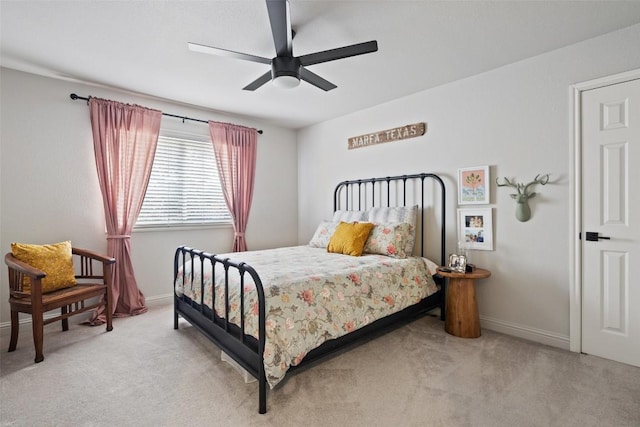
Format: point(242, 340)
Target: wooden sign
point(395, 134)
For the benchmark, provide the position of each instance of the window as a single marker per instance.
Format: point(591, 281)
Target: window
point(184, 188)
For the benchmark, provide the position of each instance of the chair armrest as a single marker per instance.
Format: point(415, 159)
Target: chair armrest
point(18, 270)
point(24, 268)
point(93, 255)
point(86, 265)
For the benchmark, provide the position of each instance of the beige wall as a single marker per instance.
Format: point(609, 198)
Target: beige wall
point(518, 120)
point(50, 189)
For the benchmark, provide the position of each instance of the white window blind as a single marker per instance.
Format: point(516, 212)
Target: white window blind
point(184, 188)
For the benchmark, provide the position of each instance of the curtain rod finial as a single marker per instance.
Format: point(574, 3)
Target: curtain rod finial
point(74, 97)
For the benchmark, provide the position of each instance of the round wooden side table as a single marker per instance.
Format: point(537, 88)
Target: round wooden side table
point(462, 318)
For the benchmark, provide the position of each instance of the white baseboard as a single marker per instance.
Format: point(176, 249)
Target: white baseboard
point(526, 332)
point(25, 321)
point(508, 328)
point(159, 300)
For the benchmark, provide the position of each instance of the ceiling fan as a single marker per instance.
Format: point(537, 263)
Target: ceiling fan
point(287, 70)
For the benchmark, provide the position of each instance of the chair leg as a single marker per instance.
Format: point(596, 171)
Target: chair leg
point(38, 335)
point(15, 325)
point(65, 321)
point(108, 310)
point(109, 320)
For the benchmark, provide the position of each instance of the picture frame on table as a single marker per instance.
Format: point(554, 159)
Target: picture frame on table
point(458, 263)
point(475, 228)
point(474, 185)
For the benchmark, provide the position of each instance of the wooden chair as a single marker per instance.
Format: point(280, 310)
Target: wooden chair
point(70, 301)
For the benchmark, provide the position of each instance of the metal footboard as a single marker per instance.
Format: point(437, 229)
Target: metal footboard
point(231, 338)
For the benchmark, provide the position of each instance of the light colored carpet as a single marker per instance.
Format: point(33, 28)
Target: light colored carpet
point(145, 373)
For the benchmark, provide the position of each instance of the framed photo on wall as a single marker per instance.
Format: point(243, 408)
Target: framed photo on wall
point(475, 228)
point(473, 186)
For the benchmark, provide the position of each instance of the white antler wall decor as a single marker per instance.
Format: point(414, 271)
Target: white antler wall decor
point(523, 211)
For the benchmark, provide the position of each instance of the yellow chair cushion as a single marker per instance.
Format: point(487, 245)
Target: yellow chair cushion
point(55, 260)
point(349, 238)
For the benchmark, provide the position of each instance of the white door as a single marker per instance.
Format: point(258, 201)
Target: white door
point(611, 210)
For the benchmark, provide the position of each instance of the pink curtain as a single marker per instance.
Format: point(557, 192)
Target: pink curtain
point(124, 139)
point(235, 148)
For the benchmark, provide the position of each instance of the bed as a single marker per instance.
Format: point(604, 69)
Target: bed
point(274, 311)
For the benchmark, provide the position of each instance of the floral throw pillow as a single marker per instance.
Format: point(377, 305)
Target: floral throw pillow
point(323, 234)
point(389, 239)
point(396, 214)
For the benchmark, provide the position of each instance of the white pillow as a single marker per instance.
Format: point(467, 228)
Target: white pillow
point(393, 214)
point(348, 216)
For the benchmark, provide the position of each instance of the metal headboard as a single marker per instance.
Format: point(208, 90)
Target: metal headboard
point(361, 194)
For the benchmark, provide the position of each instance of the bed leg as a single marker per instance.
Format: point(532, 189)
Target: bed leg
point(262, 396)
point(175, 319)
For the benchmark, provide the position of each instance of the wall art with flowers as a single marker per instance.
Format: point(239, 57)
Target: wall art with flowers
point(473, 185)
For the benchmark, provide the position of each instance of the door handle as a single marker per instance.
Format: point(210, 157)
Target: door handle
point(594, 237)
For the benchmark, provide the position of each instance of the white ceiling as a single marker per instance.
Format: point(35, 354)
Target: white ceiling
point(141, 46)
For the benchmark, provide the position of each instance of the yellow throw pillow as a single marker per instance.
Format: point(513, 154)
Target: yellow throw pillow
point(349, 238)
point(54, 260)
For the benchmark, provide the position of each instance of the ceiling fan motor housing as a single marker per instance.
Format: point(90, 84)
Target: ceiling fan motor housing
point(287, 70)
point(285, 66)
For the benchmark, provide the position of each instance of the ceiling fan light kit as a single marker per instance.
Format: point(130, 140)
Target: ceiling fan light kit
point(285, 82)
point(287, 70)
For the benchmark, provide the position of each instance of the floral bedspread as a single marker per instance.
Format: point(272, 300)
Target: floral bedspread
point(312, 296)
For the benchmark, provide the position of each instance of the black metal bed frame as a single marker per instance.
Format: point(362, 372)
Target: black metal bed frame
point(246, 350)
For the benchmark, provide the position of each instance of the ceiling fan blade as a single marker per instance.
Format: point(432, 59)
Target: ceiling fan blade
point(258, 82)
point(280, 19)
point(339, 53)
point(316, 80)
point(229, 53)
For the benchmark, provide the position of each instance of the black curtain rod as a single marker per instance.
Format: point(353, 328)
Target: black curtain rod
point(74, 97)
